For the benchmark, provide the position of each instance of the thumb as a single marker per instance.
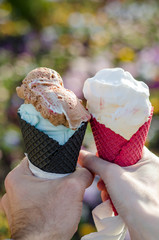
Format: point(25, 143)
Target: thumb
point(83, 177)
point(23, 168)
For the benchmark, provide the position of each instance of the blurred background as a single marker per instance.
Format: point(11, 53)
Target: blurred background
point(76, 38)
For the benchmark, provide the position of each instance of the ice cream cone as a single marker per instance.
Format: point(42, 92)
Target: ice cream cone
point(53, 123)
point(114, 148)
point(47, 154)
point(122, 106)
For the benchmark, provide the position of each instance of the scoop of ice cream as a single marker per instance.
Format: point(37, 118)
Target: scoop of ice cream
point(59, 133)
point(43, 88)
point(117, 100)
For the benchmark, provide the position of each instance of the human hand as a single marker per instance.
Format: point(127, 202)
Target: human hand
point(134, 191)
point(44, 209)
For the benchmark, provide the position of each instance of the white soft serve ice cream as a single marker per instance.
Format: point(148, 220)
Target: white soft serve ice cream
point(117, 100)
point(59, 133)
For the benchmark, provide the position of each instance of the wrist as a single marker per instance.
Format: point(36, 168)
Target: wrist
point(145, 224)
point(36, 236)
point(21, 229)
point(24, 228)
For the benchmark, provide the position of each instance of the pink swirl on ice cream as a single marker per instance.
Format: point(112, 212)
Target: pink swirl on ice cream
point(43, 88)
point(118, 101)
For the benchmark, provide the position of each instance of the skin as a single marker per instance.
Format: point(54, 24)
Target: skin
point(134, 191)
point(44, 209)
point(51, 209)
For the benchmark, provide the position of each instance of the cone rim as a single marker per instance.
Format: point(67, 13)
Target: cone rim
point(82, 124)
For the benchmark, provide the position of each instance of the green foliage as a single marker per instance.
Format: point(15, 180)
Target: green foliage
point(4, 233)
point(30, 10)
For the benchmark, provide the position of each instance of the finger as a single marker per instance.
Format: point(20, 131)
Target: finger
point(83, 177)
point(23, 168)
point(104, 195)
point(93, 163)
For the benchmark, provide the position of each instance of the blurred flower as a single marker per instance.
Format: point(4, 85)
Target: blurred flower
point(11, 138)
point(65, 40)
point(76, 75)
point(76, 20)
point(148, 63)
point(86, 228)
point(126, 54)
point(4, 230)
point(147, 142)
point(155, 104)
point(150, 54)
point(104, 60)
point(101, 38)
point(61, 14)
point(130, 12)
point(24, 64)
point(48, 36)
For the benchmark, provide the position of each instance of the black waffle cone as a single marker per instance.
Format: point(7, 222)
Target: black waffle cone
point(47, 154)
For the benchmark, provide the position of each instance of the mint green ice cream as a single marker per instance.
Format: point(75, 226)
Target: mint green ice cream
point(59, 133)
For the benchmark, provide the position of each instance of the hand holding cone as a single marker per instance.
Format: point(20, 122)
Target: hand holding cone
point(121, 115)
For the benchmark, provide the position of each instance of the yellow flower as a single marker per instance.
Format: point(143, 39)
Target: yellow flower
point(4, 231)
point(13, 27)
point(126, 54)
point(61, 14)
point(155, 104)
point(65, 39)
point(86, 228)
point(100, 39)
point(147, 142)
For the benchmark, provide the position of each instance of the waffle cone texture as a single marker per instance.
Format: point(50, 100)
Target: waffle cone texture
point(114, 148)
point(47, 154)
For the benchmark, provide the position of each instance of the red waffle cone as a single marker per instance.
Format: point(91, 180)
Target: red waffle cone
point(114, 148)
